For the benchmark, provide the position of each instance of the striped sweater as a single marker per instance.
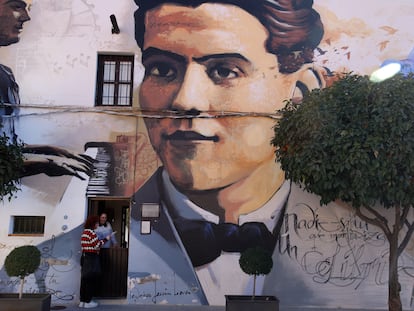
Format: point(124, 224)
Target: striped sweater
point(90, 242)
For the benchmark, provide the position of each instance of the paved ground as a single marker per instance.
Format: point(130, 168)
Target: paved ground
point(120, 306)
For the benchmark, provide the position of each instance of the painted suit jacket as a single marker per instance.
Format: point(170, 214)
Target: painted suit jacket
point(325, 257)
point(9, 94)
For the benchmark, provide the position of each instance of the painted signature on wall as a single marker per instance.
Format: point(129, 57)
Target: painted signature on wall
point(339, 249)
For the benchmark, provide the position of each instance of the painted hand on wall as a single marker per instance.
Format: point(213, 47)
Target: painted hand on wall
point(55, 161)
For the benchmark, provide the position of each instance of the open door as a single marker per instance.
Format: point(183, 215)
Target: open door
point(114, 261)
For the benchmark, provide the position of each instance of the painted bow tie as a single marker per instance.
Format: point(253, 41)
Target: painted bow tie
point(204, 241)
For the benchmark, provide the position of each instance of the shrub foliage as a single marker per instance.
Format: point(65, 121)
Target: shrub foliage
point(11, 164)
point(352, 141)
point(22, 261)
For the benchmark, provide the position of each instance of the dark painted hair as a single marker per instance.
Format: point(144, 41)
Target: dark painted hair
point(295, 28)
point(91, 221)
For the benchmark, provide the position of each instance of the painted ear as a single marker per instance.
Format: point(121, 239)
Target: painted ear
point(309, 77)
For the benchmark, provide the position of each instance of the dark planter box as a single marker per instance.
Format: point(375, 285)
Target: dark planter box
point(248, 303)
point(29, 302)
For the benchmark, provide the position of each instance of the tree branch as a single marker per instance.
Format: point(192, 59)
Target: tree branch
point(404, 215)
point(378, 220)
point(410, 230)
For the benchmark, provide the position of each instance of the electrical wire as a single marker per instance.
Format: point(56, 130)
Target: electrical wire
point(135, 112)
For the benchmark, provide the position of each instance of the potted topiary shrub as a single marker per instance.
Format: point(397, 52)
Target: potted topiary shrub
point(21, 262)
point(254, 261)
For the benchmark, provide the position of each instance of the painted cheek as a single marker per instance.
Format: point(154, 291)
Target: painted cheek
point(152, 97)
point(146, 96)
point(254, 135)
point(152, 126)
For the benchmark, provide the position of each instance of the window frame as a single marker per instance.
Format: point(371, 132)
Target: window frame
point(117, 83)
point(27, 225)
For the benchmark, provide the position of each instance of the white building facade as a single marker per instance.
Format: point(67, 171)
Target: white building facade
point(79, 80)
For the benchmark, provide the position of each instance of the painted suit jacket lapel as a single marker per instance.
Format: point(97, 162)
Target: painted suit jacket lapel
point(165, 255)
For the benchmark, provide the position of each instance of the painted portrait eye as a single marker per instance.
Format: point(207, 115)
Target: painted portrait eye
point(17, 5)
point(161, 70)
point(223, 72)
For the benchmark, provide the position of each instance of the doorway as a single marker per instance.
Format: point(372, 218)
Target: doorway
point(114, 260)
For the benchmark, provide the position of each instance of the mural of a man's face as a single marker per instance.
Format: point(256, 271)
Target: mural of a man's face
point(12, 16)
point(209, 59)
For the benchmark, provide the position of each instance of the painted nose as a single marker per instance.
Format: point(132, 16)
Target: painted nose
point(24, 17)
point(192, 96)
point(193, 112)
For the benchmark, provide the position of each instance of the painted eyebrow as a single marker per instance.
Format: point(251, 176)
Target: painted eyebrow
point(156, 52)
point(20, 5)
point(21, 2)
point(220, 56)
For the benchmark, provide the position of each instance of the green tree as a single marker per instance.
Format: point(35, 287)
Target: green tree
point(21, 262)
point(11, 165)
point(354, 141)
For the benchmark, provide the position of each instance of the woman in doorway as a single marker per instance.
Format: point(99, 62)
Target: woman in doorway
point(105, 229)
point(90, 263)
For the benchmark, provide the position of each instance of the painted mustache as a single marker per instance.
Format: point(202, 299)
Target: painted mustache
point(190, 135)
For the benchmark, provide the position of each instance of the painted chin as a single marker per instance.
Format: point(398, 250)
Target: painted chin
point(180, 172)
point(177, 154)
point(18, 30)
point(15, 36)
